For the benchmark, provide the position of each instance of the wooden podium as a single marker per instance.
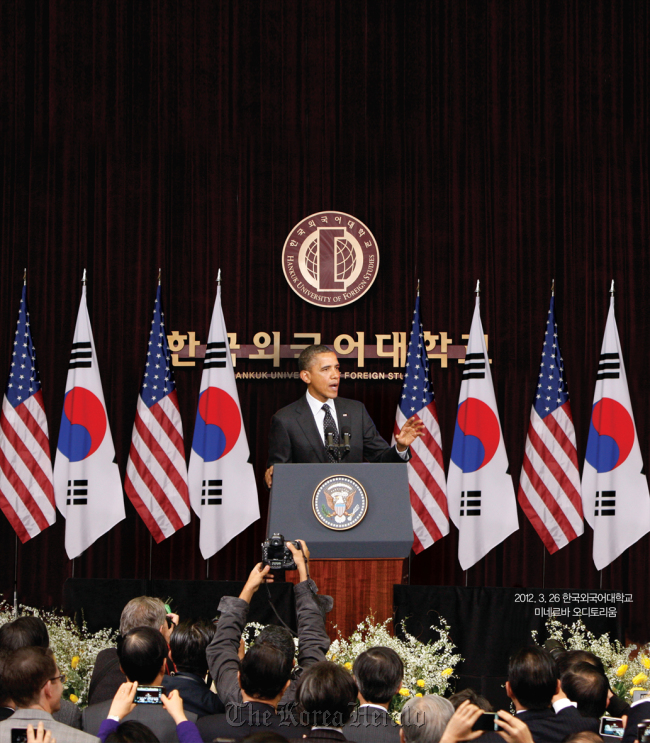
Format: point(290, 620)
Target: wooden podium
point(357, 566)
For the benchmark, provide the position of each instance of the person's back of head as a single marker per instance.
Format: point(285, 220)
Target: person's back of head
point(143, 611)
point(585, 736)
point(424, 719)
point(585, 684)
point(188, 643)
point(532, 677)
point(280, 638)
point(378, 673)
point(327, 693)
point(264, 670)
point(267, 736)
point(25, 673)
point(132, 731)
point(142, 652)
point(469, 694)
point(571, 657)
point(24, 632)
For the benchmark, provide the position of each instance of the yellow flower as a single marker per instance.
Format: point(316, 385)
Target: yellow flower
point(333, 657)
point(635, 688)
point(418, 694)
point(74, 662)
point(405, 692)
point(420, 683)
point(74, 698)
point(640, 678)
point(447, 672)
point(348, 665)
point(622, 670)
point(645, 662)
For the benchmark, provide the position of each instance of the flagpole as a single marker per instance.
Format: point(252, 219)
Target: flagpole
point(83, 283)
point(16, 579)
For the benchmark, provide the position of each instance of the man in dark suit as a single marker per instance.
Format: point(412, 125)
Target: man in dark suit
point(378, 673)
point(638, 712)
point(299, 431)
point(142, 653)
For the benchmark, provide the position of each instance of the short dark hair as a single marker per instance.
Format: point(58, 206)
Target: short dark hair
point(24, 632)
point(25, 672)
point(306, 358)
point(476, 699)
point(585, 684)
point(533, 677)
point(188, 643)
point(571, 657)
point(378, 672)
point(264, 670)
point(265, 736)
point(280, 638)
point(142, 652)
point(584, 736)
point(132, 731)
point(327, 693)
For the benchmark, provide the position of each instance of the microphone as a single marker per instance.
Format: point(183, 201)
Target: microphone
point(347, 434)
point(329, 438)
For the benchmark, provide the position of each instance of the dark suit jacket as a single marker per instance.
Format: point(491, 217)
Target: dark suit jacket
point(107, 677)
point(195, 693)
point(372, 725)
point(154, 716)
point(548, 727)
point(251, 717)
point(324, 735)
point(294, 436)
point(634, 716)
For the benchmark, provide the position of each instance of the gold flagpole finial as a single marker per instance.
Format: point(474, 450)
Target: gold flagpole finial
point(219, 278)
point(418, 287)
point(553, 288)
point(611, 289)
point(24, 277)
point(83, 278)
point(159, 275)
point(477, 291)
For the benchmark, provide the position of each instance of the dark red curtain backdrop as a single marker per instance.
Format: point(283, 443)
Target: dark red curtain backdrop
point(500, 141)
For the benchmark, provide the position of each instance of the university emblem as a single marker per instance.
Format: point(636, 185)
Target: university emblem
point(340, 502)
point(330, 259)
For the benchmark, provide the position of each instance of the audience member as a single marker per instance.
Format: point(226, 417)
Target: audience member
point(586, 736)
point(143, 611)
point(266, 736)
point(460, 726)
point(30, 675)
point(378, 673)
point(313, 640)
point(586, 685)
point(131, 732)
point(326, 694)
point(424, 719)
point(639, 712)
point(616, 707)
point(26, 632)
point(187, 644)
point(141, 652)
point(471, 696)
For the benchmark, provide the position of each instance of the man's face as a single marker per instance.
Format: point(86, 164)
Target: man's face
point(323, 377)
point(56, 687)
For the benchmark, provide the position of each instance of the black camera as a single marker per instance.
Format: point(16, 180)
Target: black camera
point(276, 553)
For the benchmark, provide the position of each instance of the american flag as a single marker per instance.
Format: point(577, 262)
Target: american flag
point(427, 485)
point(549, 486)
point(156, 473)
point(26, 489)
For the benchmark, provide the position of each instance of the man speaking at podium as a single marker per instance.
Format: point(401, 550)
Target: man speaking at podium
point(300, 433)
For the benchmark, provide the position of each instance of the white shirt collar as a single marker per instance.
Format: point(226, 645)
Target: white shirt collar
point(316, 406)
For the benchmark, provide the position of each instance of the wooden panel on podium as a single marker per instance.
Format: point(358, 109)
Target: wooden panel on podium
point(359, 588)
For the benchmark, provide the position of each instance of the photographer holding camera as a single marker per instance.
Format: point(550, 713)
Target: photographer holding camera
point(259, 685)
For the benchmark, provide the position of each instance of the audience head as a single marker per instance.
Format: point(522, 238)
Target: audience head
point(378, 673)
point(532, 678)
point(144, 611)
point(31, 677)
point(188, 643)
point(142, 652)
point(264, 671)
point(280, 638)
point(24, 632)
point(424, 719)
point(571, 657)
point(132, 731)
point(327, 693)
point(585, 684)
point(585, 736)
point(476, 699)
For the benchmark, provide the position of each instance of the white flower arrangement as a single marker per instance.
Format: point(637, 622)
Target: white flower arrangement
point(74, 647)
point(428, 668)
point(626, 667)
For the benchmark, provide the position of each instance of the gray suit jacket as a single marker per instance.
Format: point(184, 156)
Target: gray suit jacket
point(21, 718)
point(154, 716)
point(294, 436)
point(372, 725)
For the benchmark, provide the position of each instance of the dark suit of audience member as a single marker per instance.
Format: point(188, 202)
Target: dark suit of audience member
point(585, 685)
point(378, 673)
point(637, 713)
point(141, 652)
point(187, 645)
point(248, 718)
point(106, 678)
